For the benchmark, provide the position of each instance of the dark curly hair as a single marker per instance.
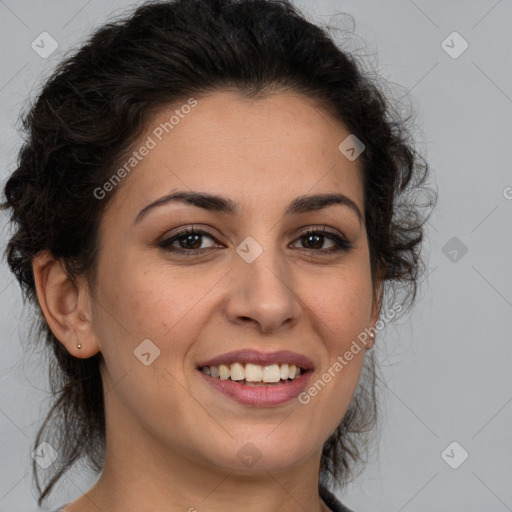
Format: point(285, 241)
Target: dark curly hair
point(97, 103)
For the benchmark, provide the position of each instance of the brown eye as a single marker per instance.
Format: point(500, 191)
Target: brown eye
point(314, 240)
point(188, 241)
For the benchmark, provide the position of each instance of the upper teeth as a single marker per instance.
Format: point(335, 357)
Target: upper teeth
point(253, 372)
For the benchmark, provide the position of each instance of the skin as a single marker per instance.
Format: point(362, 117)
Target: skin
point(172, 440)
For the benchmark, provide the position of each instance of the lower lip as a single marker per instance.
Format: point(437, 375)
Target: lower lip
point(260, 396)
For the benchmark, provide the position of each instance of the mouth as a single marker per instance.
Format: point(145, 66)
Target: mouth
point(255, 366)
point(254, 374)
point(256, 378)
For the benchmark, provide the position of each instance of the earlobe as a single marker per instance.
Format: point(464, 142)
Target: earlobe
point(66, 306)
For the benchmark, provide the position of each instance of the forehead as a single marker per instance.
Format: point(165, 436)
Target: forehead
point(263, 152)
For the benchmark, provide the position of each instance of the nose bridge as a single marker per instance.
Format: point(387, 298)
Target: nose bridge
point(264, 289)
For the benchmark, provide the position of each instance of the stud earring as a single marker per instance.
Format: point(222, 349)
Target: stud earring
point(79, 345)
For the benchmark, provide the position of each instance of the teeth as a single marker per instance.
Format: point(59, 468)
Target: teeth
point(253, 372)
point(271, 373)
point(237, 372)
point(224, 372)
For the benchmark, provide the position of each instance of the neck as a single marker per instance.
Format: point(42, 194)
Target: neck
point(145, 476)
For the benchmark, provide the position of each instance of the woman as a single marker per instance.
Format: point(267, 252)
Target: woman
point(213, 207)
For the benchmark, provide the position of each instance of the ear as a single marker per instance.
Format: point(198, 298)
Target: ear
point(66, 306)
point(376, 309)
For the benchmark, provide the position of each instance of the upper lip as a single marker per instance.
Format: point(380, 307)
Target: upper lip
point(260, 358)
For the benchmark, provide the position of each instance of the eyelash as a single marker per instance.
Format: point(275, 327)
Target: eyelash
point(341, 243)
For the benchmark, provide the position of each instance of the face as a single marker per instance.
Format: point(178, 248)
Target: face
point(260, 272)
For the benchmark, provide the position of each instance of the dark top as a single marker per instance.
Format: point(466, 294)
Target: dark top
point(330, 500)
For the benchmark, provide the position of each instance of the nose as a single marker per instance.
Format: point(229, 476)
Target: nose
point(263, 294)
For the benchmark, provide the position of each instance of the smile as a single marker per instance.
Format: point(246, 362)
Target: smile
point(252, 374)
point(255, 378)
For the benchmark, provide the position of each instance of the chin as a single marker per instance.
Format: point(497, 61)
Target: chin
point(260, 453)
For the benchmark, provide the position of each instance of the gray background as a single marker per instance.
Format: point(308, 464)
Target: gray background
point(447, 365)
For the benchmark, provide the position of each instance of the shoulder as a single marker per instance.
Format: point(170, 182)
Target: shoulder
point(331, 501)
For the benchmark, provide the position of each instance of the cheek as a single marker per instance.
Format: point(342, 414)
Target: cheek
point(147, 300)
point(166, 306)
point(341, 305)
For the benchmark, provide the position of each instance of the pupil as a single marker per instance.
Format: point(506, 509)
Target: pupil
point(312, 237)
point(189, 240)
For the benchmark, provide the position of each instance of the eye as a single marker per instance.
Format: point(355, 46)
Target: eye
point(190, 241)
point(313, 239)
point(187, 241)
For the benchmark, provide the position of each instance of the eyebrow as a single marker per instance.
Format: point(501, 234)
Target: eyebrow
point(216, 203)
